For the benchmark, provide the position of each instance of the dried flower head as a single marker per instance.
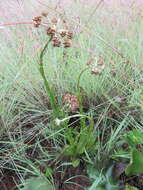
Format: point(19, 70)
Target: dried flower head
point(97, 69)
point(67, 43)
point(69, 35)
point(44, 13)
point(54, 31)
point(37, 21)
point(54, 21)
point(50, 31)
point(63, 33)
point(57, 43)
point(72, 101)
point(96, 66)
point(37, 24)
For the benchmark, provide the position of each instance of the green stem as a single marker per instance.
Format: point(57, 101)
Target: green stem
point(82, 120)
point(49, 90)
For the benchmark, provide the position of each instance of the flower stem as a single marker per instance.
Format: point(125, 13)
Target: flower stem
point(49, 90)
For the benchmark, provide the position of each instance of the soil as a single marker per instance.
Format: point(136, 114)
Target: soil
point(8, 180)
point(135, 181)
point(78, 178)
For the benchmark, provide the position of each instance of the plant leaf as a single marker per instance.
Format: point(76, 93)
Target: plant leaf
point(76, 162)
point(128, 187)
point(70, 150)
point(38, 183)
point(49, 172)
point(134, 137)
point(136, 164)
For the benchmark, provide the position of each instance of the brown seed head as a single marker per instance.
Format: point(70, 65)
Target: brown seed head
point(57, 43)
point(72, 101)
point(37, 19)
point(66, 98)
point(63, 33)
point(69, 35)
point(37, 24)
point(50, 31)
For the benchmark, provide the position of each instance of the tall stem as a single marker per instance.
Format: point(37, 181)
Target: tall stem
point(82, 120)
point(49, 90)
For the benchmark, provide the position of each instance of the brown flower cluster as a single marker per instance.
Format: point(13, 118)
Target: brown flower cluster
point(97, 66)
point(37, 21)
point(59, 37)
point(71, 101)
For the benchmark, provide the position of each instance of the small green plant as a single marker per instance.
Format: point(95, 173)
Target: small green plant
point(133, 138)
point(102, 180)
point(81, 138)
point(132, 141)
point(135, 166)
point(79, 142)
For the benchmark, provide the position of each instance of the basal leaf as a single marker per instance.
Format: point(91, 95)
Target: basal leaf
point(128, 187)
point(76, 162)
point(134, 137)
point(136, 164)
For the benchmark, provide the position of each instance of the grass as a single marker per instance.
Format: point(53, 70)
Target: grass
point(80, 148)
